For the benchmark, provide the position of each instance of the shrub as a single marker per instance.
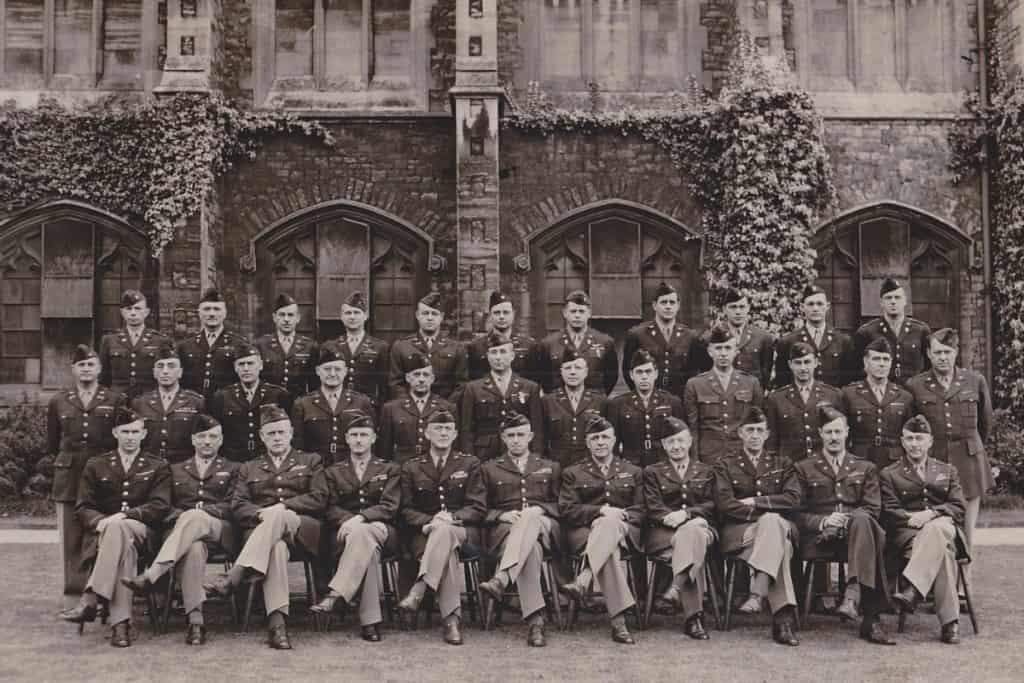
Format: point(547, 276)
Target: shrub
point(1006, 451)
point(26, 469)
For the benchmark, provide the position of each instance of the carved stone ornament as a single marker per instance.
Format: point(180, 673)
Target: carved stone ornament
point(522, 263)
point(437, 264)
point(247, 263)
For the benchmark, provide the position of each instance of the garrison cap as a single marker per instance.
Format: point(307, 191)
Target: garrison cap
point(515, 420)
point(732, 295)
point(498, 297)
point(329, 353)
point(441, 417)
point(811, 290)
point(947, 336)
point(204, 423)
point(130, 297)
point(416, 361)
point(597, 425)
point(212, 295)
point(166, 351)
point(361, 420)
point(878, 345)
point(889, 284)
point(800, 350)
point(282, 301)
point(578, 297)
point(494, 340)
point(246, 349)
point(83, 352)
point(918, 425)
point(271, 414)
point(432, 300)
point(356, 300)
point(642, 357)
point(673, 426)
point(664, 289)
point(570, 354)
point(126, 416)
point(720, 334)
point(754, 416)
point(828, 413)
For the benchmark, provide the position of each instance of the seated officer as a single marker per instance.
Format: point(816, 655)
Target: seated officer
point(169, 410)
point(442, 497)
point(679, 494)
point(522, 516)
point(838, 509)
point(568, 410)
point(123, 495)
point(923, 510)
point(792, 411)
point(127, 355)
point(320, 417)
point(403, 421)
point(363, 495)
point(601, 501)
point(486, 402)
point(238, 406)
point(278, 502)
point(289, 358)
point(753, 489)
point(639, 416)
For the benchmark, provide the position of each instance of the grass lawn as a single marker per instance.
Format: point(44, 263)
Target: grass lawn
point(35, 646)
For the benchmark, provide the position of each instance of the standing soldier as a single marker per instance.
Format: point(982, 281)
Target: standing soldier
point(907, 336)
point(639, 417)
point(674, 346)
point(502, 317)
point(403, 421)
point(755, 348)
point(596, 347)
point(568, 410)
point(321, 417)
point(80, 424)
point(837, 362)
point(169, 411)
point(127, 355)
point(487, 402)
point(717, 401)
point(237, 407)
point(877, 408)
point(289, 359)
point(208, 359)
point(365, 357)
point(447, 356)
point(793, 410)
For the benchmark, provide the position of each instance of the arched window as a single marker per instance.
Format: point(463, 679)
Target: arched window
point(63, 268)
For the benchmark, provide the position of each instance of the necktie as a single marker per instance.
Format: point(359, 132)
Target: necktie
point(133, 337)
point(167, 400)
point(604, 470)
point(835, 465)
point(286, 344)
point(250, 394)
point(360, 468)
point(521, 464)
point(879, 392)
point(440, 464)
point(126, 463)
point(211, 339)
point(502, 385)
point(430, 343)
point(816, 336)
point(681, 469)
point(332, 401)
point(805, 393)
point(86, 397)
point(421, 404)
point(574, 401)
point(353, 343)
point(201, 465)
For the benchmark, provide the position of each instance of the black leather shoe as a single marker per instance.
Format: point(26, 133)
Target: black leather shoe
point(574, 590)
point(410, 603)
point(951, 633)
point(327, 605)
point(120, 635)
point(278, 638)
point(196, 635)
point(452, 633)
point(221, 586)
point(139, 585)
point(494, 588)
point(873, 632)
point(621, 634)
point(848, 610)
point(694, 627)
point(670, 596)
point(371, 633)
point(782, 633)
point(82, 613)
point(907, 599)
point(536, 637)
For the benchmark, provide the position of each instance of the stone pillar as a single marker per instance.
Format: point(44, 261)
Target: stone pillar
point(189, 46)
point(476, 97)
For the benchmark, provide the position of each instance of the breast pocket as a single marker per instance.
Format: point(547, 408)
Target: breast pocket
point(487, 409)
point(556, 427)
point(709, 408)
point(969, 406)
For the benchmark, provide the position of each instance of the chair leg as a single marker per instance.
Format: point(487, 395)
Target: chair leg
point(808, 587)
point(476, 600)
point(631, 582)
point(730, 586)
point(967, 595)
point(168, 598)
point(555, 599)
point(248, 606)
point(652, 575)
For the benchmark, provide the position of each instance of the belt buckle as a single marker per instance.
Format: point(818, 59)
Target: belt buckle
point(878, 441)
point(124, 507)
point(252, 445)
point(206, 384)
point(647, 444)
point(897, 371)
point(199, 505)
point(334, 448)
point(131, 381)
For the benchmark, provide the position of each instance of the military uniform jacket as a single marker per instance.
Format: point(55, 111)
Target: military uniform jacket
point(838, 364)
point(321, 430)
point(169, 432)
point(565, 428)
point(241, 419)
point(483, 408)
point(793, 424)
point(448, 358)
point(904, 492)
point(211, 493)
point(639, 428)
point(677, 357)
point(599, 350)
point(756, 353)
point(367, 367)
point(665, 491)
point(458, 489)
point(961, 419)
point(908, 347)
point(75, 433)
point(714, 413)
point(584, 491)
point(206, 369)
point(771, 483)
point(127, 368)
point(525, 364)
point(823, 491)
point(401, 433)
point(377, 496)
point(296, 370)
point(876, 427)
point(299, 485)
point(509, 489)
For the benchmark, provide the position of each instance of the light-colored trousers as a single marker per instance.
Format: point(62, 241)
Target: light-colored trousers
point(932, 566)
point(607, 536)
point(768, 548)
point(690, 544)
point(266, 552)
point(440, 570)
point(359, 566)
point(186, 547)
point(117, 557)
point(522, 557)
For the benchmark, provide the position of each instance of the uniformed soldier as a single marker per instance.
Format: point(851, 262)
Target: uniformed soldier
point(568, 410)
point(278, 502)
point(793, 410)
point(838, 508)
point(958, 406)
point(754, 490)
point(601, 502)
point(320, 417)
point(674, 346)
point(907, 336)
point(123, 495)
point(289, 358)
point(755, 348)
point(201, 492)
point(363, 497)
point(403, 421)
point(170, 412)
point(877, 408)
point(522, 521)
point(716, 401)
point(447, 356)
point(237, 407)
point(923, 510)
point(639, 416)
point(365, 356)
point(80, 422)
point(443, 498)
point(679, 494)
point(502, 317)
point(488, 401)
point(208, 359)
point(837, 359)
point(598, 348)
point(127, 355)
